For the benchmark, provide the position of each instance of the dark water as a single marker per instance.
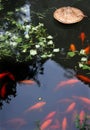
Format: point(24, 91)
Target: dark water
point(53, 99)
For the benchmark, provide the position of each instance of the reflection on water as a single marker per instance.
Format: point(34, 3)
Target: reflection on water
point(46, 106)
point(57, 96)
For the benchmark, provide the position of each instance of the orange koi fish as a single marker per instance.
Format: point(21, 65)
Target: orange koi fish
point(64, 124)
point(71, 107)
point(82, 36)
point(45, 124)
point(27, 81)
point(50, 115)
point(81, 116)
point(72, 47)
point(65, 100)
point(3, 90)
point(56, 125)
point(83, 78)
point(87, 50)
point(2, 75)
point(17, 122)
point(84, 99)
point(36, 106)
point(66, 82)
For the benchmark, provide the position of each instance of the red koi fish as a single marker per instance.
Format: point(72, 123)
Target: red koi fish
point(2, 75)
point(81, 116)
point(64, 124)
point(27, 82)
point(45, 124)
point(50, 115)
point(3, 90)
point(11, 76)
point(36, 106)
point(72, 47)
point(66, 82)
point(84, 99)
point(87, 50)
point(82, 36)
point(83, 78)
point(71, 107)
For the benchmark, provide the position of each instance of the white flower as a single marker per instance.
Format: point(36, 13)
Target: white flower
point(37, 46)
point(82, 52)
point(28, 26)
point(24, 50)
point(50, 42)
point(56, 50)
point(13, 43)
point(50, 37)
point(33, 52)
point(8, 33)
point(80, 65)
point(83, 59)
point(26, 36)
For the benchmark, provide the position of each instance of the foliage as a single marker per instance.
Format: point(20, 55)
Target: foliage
point(83, 59)
point(84, 125)
point(24, 42)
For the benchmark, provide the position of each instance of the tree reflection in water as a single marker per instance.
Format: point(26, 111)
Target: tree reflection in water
point(18, 72)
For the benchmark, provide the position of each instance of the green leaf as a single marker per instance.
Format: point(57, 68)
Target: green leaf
point(19, 40)
point(71, 54)
point(86, 67)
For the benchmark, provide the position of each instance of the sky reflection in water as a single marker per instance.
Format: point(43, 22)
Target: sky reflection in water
point(55, 101)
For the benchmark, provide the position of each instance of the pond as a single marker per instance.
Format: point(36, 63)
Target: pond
point(54, 96)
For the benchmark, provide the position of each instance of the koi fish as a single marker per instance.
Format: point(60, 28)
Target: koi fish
point(45, 124)
point(36, 106)
point(65, 100)
point(84, 99)
point(83, 78)
point(81, 116)
point(64, 124)
point(2, 75)
point(3, 90)
point(18, 122)
point(71, 107)
point(56, 125)
point(82, 36)
point(27, 82)
point(50, 115)
point(87, 50)
point(72, 47)
point(11, 76)
point(66, 82)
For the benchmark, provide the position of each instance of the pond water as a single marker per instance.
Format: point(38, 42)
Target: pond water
point(57, 96)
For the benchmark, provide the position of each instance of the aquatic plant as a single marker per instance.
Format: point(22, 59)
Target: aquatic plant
point(82, 58)
point(24, 42)
point(84, 125)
